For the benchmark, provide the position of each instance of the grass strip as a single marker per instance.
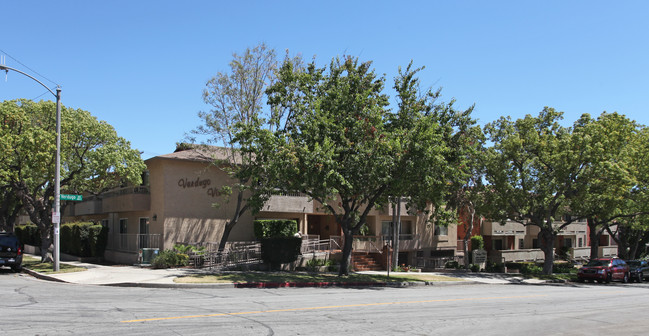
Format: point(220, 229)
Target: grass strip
point(36, 265)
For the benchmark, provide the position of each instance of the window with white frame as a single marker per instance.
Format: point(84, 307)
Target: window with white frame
point(441, 230)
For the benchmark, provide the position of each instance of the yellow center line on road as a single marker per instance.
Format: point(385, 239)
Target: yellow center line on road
point(328, 307)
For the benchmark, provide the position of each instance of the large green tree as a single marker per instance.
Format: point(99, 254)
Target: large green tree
point(236, 100)
point(93, 158)
point(467, 195)
point(9, 207)
point(337, 141)
point(534, 168)
point(612, 189)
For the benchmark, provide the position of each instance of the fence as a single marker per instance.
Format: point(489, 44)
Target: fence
point(313, 244)
point(437, 263)
point(237, 254)
point(133, 242)
point(369, 244)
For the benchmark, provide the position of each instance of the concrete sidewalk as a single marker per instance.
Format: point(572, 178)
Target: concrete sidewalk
point(119, 275)
point(135, 276)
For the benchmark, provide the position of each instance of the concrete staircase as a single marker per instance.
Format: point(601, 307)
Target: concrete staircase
point(366, 262)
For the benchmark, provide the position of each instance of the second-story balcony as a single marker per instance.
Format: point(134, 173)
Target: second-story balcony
point(573, 229)
point(126, 199)
point(289, 202)
point(90, 206)
point(510, 228)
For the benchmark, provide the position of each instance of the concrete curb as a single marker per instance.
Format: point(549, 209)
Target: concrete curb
point(271, 285)
point(42, 276)
point(171, 285)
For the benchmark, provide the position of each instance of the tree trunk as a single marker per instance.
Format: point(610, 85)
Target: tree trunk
point(396, 234)
point(226, 234)
point(547, 237)
point(622, 243)
point(348, 242)
point(634, 248)
point(238, 211)
point(594, 238)
point(467, 237)
point(46, 246)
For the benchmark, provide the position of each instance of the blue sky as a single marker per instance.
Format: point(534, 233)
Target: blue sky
point(142, 65)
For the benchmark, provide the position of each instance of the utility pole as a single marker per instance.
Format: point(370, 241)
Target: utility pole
point(56, 215)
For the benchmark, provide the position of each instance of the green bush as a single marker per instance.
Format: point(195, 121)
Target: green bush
point(452, 264)
point(66, 236)
point(190, 249)
point(275, 228)
point(28, 234)
point(84, 239)
point(475, 268)
point(477, 243)
point(495, 267)
point(170, 258)
point(531, 269)
point(277, 251)
point(562, 268)
point(181, 248)
point(98, 240)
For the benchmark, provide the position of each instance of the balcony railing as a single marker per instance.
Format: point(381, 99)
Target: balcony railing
point(126, 191)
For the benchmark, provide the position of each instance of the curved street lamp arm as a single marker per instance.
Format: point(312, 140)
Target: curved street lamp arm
point(6, 68)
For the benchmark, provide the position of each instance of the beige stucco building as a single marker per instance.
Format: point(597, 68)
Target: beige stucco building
point(177, 204)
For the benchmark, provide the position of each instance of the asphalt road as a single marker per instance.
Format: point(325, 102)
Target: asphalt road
point(35, 307)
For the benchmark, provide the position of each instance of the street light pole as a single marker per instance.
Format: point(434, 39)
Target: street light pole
point(56, 215)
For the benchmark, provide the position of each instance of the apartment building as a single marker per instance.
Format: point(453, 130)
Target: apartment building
point(176, 203)
point(513, 241)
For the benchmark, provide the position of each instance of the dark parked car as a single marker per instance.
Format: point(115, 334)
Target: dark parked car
point(639, 269)
point(11, 253)
point(604, 270)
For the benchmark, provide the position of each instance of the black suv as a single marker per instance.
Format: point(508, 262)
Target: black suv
point(11, 253)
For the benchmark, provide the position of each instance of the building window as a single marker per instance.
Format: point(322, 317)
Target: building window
point(521, 244)
point(441, 230)
point(567, 242)
point(535, 243)
point(143, 237)
point(123, 229)
point(145, 179)
point(123, 225)
point(104, 222)
point(498, 244)
point(581, 242)
point(386, 228)
point(406, 228)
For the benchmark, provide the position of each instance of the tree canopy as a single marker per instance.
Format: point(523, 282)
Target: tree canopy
point(93, 158)
point(236, 100)
point(335, 139)
point(538, 171)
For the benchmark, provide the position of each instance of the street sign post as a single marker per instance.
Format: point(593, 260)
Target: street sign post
point(66, 197)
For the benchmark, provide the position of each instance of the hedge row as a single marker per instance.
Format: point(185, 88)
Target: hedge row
point(82, 239)
point(275, 228)
point(280, 250)
point(28, 234)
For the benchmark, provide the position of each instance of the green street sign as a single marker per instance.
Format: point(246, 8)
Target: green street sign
point(65, 197)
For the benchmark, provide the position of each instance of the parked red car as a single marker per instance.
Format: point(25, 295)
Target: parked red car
point(604, 270)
